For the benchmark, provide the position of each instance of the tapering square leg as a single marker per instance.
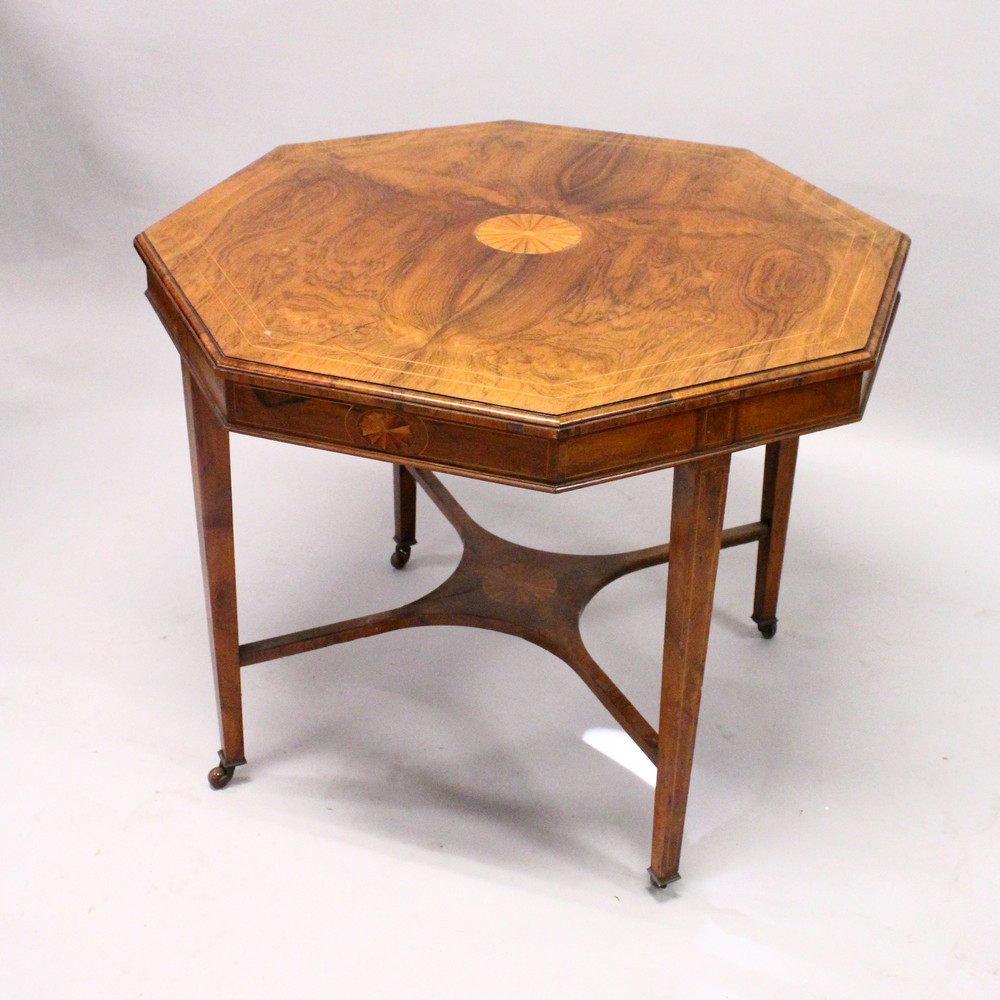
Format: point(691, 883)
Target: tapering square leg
point(404, 491)
point(776, 504)
point(213, 497)
point(699, 503)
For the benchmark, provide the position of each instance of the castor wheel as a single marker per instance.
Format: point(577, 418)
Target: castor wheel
point(661, 881)
point(768, 628)
point(400, 557)
point(220, 776)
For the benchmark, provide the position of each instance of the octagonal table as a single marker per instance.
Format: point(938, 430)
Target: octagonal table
point(540, 306)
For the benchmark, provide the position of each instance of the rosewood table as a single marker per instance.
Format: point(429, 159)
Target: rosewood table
point(539, 306)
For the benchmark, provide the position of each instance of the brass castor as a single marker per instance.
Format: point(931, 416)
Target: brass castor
point(768, 628)
point(661, 881)
point(400, 557)
point(220, 776)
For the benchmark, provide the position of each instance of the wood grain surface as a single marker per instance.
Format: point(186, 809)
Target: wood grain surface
point(696, 266)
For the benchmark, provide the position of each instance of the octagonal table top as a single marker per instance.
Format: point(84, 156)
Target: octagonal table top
point(528, 268)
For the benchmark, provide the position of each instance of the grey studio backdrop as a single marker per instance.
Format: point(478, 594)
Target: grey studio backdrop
point(447, 813)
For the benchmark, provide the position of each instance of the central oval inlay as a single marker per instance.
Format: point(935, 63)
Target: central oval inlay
point(525, 233)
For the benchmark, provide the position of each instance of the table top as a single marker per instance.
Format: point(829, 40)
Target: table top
point(526, 266)
point(457, 294)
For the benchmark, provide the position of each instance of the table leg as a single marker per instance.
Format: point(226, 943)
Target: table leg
point(404, 491)
point(699, 502)
point(213, 496)
point(776, 504)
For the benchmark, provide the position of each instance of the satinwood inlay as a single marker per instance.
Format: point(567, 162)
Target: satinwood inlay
point(518, 583)
point(524, 233)
point(386, 430)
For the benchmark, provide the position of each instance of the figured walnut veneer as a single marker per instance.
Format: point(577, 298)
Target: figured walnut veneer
point(333, 274)
point(355, 264)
